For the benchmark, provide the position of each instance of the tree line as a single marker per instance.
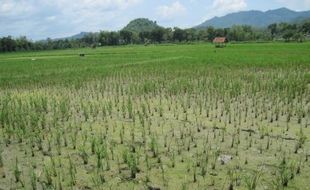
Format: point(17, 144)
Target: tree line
point(282, 31)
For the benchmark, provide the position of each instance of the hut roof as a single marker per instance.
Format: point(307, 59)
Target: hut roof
point(219, 40)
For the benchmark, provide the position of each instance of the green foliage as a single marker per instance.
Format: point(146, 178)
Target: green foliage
point(141, 25)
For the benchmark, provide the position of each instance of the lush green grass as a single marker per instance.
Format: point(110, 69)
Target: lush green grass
point(165, 113)
point(62, 66)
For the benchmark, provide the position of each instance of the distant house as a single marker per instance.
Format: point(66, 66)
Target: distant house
point(219, 42)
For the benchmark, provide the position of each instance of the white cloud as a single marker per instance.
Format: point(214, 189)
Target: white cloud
point(89, 15)
point(172, 11)
point(51, 18)
point(92, 4)
point(13, 8)
point(296, 4)
point(225, 6)
point(64, 17)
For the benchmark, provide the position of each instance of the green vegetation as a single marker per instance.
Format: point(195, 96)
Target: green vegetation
point(165, 116)
point(141, 25)
point(144, 31)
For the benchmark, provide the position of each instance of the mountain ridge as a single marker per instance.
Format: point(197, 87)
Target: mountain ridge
point(255, 18)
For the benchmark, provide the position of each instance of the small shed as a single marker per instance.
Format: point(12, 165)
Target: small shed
point(219, 42)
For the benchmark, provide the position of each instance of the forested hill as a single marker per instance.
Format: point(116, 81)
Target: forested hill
point(256, 18)
point(141, 25)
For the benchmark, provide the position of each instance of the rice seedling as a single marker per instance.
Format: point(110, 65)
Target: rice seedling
point(1, 158)
point(136, 114)
point(84, 155)
point(252, 180)
point(17, 172)
point(72, 172)
point(33, 180)
point(48, 177)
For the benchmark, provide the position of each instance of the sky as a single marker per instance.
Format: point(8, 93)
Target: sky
point(39, 19)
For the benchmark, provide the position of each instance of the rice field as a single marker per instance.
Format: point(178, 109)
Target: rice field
point(156, 117)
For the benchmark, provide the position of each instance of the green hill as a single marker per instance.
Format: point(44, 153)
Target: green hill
point(256, 18)
point(141, 25)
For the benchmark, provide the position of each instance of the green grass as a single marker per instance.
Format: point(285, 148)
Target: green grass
point(54, 66)
point(136, 116)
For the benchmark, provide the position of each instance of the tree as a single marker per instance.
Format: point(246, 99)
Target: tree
point(288, 34)
point(126, 36)
point(236, 33)
point(90, 39)
point(202, 35)
point(23, 44)
point(273, 28)
point(211, 33)
point(113, 38)
point(157, 35)
point(298, 37)
point(144, 36)
point(248, 33)
point(190, 35)
point(8, 44)
point(220, 32)
point(179, 34)
point(103, 38)
point(305, 28)
point(109, 38)
point(168, 35)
